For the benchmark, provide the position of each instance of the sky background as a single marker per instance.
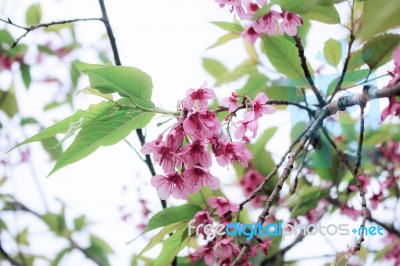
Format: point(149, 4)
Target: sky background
point(166, 39)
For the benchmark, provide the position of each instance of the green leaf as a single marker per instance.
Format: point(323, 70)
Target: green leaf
point(8, 102)
point(79, 222)
point(356, 60)
point(6, 37)
point(33, 14)
point(231, 27)
point(172, 215)
point(127, 81)
point(305, 200)
point(214, 67)
point(103, 132)
point(333, 52)
point(350, 79)
point(171, 247)
point(60, 127)
point(56, 223)
point(99, 250)
point(26, 75)
point(378, 50)
point(52, 147)
point(298, 7)
point(325, 14)
point(248, 67)
point(341, 259)
point(22, 237)
point(254, 85)
point(283, 56)
point(60, 255)
point(379, 17)
point(224, 39)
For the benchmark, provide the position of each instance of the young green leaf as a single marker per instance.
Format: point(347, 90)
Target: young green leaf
point(8, 102)
point(214, 67)
point(350, 79)
point(325, 14)
point(33, 14)
point(333, 52)
point(26, 75)
point(231, 27)
point(103, 132)
point(171, 247)
point(224, 39)
point(378, 50)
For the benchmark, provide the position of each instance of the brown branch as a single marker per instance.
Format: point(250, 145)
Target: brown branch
point(306, 71)
point(7, 256)
point(359, 185)
point(341, 104)
point(42, 25)
point(117, 61)
point(389, 228)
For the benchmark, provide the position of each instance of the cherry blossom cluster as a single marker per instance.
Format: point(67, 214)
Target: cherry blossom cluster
point(394, 104)
point(222, 249)
point(185, 154)
point(266, 24)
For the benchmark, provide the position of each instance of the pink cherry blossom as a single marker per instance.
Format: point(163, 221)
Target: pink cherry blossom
point(290, 23)
point(222, 3)
point(230, 102)
point(196, 177)
point(207, 253)
point(396, 59)
point(198, 98)
point(176, 134)
point(250, 181)
point(170, 184)
point(364, 181)
point(258, 107)
point(267, 23)
point(247, 10)
point(202, 124)
point(264, 246)
point(393, 108)
point(163, 153)
point(202, 217)
point(243, 126)
point(225, 248)
point(375, 200)
point(350, 212)
point(195, 153)
point(223, 205)
point(250, 34)
point(227, 153)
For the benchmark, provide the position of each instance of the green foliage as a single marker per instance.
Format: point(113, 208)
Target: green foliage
point(350, 79)
point(33, 14)
point(283, 56)
point(379, 17)
point(356, 60)
point(248, 67)
point(305, 200)
point(224, 39)
point(214, 67)
point(378, 50)
point(231, 27)
point(99, 250)
point(26, 75)
point(325, 14)
point(5, 37)
point(333, 52)
point(172, 246)
point(172, 215)
point(8, 102)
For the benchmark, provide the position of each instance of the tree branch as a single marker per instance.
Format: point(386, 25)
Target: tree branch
point(7, 256)
point(307, 73)
point(117, 60)
point(42, 25)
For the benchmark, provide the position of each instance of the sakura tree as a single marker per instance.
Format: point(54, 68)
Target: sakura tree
point(339, 162)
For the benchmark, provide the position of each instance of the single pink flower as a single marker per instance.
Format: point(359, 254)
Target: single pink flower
point(195, 154)
point(207, 253)
point(247, 10)
point(250, 34)
point(202, 124)
point(267, 23)
point(250, 181)
point(223, 205)
point(196, 177)
point(229, 152)
point(243, 126)
point(290, 23)
point(225, 248)
point(375, 200)
point(176, 134)
point(350, 212)
point(163, 153)
point(198, 98)
point(393, 108)
point(258, 107)
point(230, 102)
point(202, 217)
point(265, 245)
point(170, 184)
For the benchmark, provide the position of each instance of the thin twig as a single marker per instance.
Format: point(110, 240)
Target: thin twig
point(42, 25)
point(117, 61)
point(7, 256)
point(306, 71)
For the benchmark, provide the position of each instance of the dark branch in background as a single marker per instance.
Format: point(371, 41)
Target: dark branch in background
point(7, 256)
point(389, 228)
point(347, 60)
point(307, 73)
point(359, 185)
point(42, 25)
point(117, 60)
point(341, 104)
